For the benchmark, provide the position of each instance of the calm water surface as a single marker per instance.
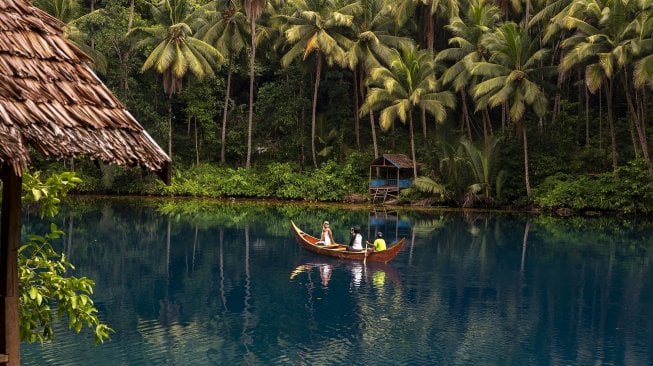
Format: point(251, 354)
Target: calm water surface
point(199, 283)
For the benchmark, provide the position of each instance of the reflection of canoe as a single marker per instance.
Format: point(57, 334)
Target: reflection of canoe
point(340, 251)
point(371, 269)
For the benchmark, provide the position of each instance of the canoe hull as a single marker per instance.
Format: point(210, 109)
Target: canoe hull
point(339, 251)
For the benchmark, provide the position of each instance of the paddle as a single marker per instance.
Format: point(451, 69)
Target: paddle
point(365, 259)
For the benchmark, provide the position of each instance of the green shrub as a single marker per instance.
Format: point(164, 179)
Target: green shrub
point(628, 189)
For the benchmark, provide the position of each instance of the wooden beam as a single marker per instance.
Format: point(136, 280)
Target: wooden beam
point(9, 242)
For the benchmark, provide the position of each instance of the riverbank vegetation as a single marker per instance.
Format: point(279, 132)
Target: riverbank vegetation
point(543, 103)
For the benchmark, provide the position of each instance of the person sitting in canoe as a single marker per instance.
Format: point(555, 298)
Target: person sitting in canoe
point(327, 235)
point(356, 242)
point(379, 243)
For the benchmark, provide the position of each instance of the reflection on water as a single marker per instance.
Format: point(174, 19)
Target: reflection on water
point(373, 273)
point(201, 283)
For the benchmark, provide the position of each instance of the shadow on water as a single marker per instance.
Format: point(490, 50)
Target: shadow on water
point(206, 283)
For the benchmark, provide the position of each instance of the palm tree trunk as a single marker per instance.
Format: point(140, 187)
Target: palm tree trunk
point(430, 29)
point(130, 21)
point(636, 120)
point(197, 146)
point(412, 143)
point(613, 136)
point(373, 128)
point(374, 143)
point(318, 72)
point(170, 126)
point(465, 116)
point(356, 118)
point(487, 121)
point(424, 123)
point(224, 115)
point(641, 106)
point(527, 178)
point(250, 118)
point(587, 116)
point(503, 115)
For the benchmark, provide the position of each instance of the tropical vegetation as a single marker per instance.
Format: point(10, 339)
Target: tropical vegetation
point(502, 103)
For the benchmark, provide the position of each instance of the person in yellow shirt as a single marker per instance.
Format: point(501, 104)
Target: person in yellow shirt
point(379, 243)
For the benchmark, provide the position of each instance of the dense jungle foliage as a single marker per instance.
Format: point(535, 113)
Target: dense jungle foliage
point(543, 102)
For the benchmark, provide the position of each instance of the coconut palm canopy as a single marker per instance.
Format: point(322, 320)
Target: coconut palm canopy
point(52, 101)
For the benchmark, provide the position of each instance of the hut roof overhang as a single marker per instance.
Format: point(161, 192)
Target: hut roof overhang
point(398, 161)
point(51, 101)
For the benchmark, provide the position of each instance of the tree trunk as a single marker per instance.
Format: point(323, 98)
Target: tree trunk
point(197, 146)
point(636, 120)
point(527, 178)
point(503, 116)
point(412, 143)
point(465, 116)
point(487, 121)
point(170, 126)
point(356, 118)
point(223, 137)
point(374, 143)
point(318, 71)
point(424, 123)
point(642, 107)
point(430, 30)
point(613, 135)
point(587, 116)
point(130, 21)
point(373, 129)
point(9, 243)
point(250, 118)
point(579, 114)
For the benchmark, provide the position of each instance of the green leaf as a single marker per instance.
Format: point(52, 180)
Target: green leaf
point(33, 292)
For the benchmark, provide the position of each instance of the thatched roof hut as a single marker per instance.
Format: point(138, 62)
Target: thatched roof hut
point(52, 103)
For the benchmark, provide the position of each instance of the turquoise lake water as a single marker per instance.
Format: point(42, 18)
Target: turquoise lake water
point(207, 283)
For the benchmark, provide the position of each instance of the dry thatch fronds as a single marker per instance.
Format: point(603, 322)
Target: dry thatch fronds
point(52, 101)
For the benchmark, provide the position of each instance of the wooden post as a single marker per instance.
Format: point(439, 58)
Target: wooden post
point(9, 243)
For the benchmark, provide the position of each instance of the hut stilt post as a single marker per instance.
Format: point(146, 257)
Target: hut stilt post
point(9, 242)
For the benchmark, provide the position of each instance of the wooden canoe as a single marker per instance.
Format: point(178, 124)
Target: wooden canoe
point(340, 250)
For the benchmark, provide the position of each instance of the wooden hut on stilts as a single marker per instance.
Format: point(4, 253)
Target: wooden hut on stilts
point(389, 174)
point(51, 103)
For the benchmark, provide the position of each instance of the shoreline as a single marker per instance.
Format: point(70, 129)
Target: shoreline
point(561, 212)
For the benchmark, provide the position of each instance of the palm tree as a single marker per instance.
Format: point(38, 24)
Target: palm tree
point(319, 27)
point(175, 51)
point(480, 18)
point(409, 83)
point(603, 46)
point(512, 75)
point(64, 10)
point(433, 9)
point(482, 162)
point(253, 9)
point(68, 11)
point(643, 46)
point(225, 27)
point(403, 10)
point(372, 46)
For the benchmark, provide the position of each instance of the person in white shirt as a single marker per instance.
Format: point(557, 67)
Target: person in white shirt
point(356, 242)
point(327, 235)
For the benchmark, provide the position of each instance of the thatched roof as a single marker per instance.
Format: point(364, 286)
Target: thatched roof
point(52, 101)
point(398, 161)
